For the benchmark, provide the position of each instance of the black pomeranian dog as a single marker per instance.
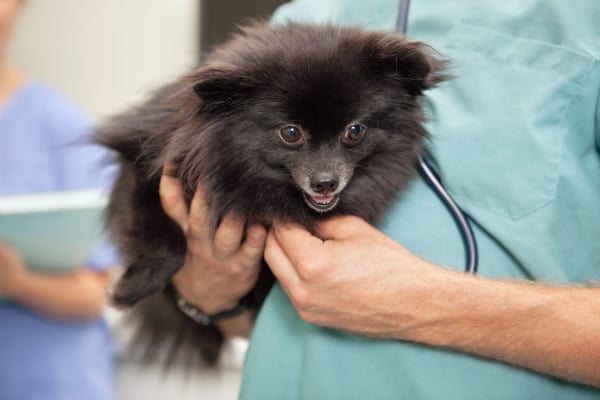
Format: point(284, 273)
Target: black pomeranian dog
point(296, 122)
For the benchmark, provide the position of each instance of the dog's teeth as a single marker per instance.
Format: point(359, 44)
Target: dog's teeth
point(321, 203)
point(323, 199)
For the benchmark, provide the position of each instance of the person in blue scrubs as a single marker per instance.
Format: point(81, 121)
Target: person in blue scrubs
point(387, 313)
point(54, 343)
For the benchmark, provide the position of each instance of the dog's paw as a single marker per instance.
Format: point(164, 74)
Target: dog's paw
point(137, 284)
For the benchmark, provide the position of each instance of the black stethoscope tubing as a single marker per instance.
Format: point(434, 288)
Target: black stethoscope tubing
point(460, 217)
point(434, 182)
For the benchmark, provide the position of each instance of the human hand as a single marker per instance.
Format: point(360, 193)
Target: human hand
point(12, 269)
point(356, 279)
point(218, 271)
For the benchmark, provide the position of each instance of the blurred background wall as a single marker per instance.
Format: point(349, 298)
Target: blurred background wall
point(219, 17)
point(106, 54)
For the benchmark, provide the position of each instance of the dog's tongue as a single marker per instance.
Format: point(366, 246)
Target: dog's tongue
point(323, 199)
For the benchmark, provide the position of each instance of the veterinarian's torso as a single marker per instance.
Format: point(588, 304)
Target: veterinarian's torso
point(517, 142)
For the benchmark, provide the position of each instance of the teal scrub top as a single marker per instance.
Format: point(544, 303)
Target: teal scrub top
point(516, 139)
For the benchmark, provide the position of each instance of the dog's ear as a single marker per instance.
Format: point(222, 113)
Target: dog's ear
point(416, 65)
point(221, 91)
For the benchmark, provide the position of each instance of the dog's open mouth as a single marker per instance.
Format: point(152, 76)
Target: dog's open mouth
point(321, 203)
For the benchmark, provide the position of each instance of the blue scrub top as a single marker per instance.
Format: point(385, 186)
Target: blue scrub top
point(42, 136)
point(516, 139)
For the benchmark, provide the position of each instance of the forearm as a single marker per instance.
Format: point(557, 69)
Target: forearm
point(238, 326)
point(548, 329)
point(78, 295)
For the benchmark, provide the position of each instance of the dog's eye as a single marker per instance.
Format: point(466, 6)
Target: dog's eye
point(354, 133)
point(291, 134)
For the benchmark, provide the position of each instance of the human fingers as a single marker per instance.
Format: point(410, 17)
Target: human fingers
point(280, 264)
point(295, 241)
point(172, 199)
point(228, 236)
point(7, 251)
point(342, 227)
point(10, 260)
point(253, 248)
point(199, 222)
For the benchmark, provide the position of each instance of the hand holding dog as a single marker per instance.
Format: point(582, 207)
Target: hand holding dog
point(217, 271)
point(359, 280)
point(356, 279)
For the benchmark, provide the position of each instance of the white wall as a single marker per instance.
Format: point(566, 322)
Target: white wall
point(106, 54)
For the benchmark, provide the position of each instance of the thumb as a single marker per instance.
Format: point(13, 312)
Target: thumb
point(342, 227)
point(172, 197)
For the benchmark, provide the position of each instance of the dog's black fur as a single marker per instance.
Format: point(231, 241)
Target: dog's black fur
point(221, 126)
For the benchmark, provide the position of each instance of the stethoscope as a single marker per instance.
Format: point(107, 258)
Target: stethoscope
point(434, 182)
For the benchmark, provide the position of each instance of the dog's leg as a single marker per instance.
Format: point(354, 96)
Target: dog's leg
point(145, 277)
point(153, 245)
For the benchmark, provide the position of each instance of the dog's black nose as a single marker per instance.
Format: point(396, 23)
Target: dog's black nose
point(324, 183)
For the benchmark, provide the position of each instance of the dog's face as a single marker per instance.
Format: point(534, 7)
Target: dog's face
point(322, 166)
point(318, 134)
point(319, 112)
